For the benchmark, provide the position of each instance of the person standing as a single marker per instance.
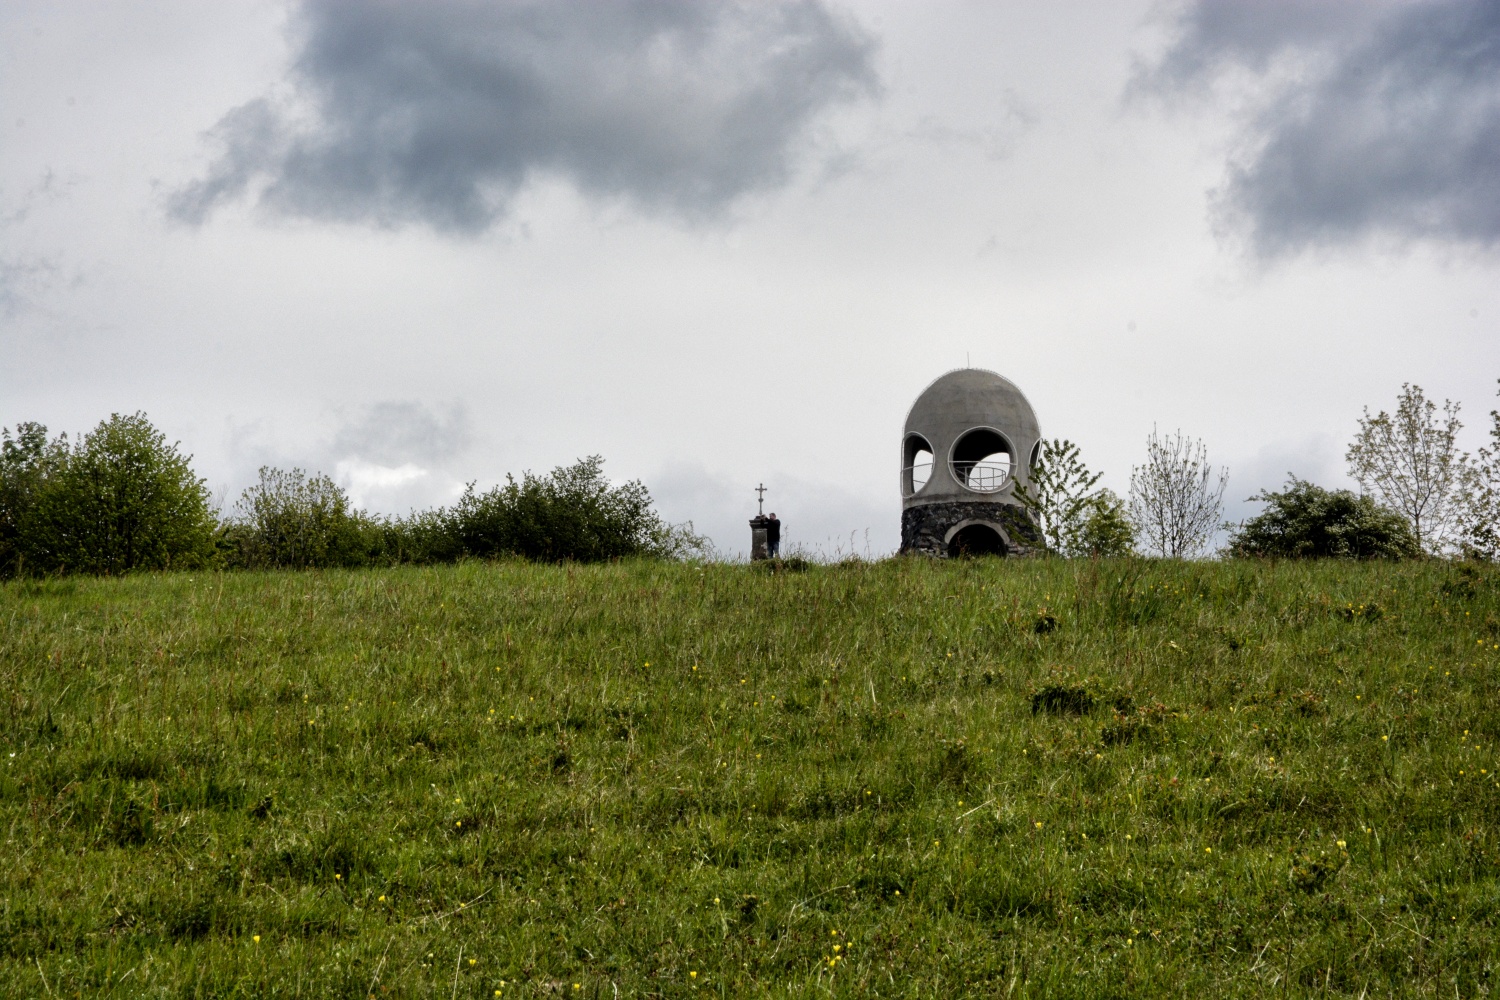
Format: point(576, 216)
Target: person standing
point(773, 535)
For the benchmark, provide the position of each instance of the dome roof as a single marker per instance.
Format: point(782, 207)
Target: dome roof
point(972, 397)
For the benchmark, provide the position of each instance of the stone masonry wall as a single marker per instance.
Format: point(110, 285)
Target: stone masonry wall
point(923, 527)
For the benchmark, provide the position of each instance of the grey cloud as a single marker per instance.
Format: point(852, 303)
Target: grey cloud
point(1211, 34)
point(1392, 130)
point(440, 112)
point(394, 433)
point(252, 141)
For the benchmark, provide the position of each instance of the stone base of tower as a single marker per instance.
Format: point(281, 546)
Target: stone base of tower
point(969, 528)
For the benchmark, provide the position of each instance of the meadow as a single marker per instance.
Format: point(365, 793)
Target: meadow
point(984, 778)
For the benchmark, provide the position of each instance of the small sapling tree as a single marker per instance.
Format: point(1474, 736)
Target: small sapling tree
point(1479, 512)
point(1176, 497)
point(1075, 518)
point(1411, 463)
point(1058, 493)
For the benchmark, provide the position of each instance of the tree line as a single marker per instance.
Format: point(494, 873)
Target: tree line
point(1418, 495)
point(123, 498)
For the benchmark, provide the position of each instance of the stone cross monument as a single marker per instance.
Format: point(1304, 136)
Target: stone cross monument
point(759, 545)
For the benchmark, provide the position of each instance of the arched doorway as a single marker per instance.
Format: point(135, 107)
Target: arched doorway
point(976, 539)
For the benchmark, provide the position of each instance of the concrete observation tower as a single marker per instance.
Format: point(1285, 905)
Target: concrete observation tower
point(970, 439)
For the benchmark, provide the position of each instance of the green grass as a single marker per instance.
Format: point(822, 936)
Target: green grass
point(860, 780)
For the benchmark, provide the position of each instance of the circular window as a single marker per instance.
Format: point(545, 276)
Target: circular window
point(916, 464)
point(982, 460)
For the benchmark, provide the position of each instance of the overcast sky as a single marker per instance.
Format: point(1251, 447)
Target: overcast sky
point(417, 244)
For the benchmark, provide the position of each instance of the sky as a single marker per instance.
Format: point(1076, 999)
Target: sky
point(723, 243)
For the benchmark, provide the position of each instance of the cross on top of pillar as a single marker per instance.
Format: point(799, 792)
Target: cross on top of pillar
point(761, 499)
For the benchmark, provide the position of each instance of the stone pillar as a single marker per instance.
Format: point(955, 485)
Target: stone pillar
point(758, 545)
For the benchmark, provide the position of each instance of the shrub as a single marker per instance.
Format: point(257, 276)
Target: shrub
point(1075, 518)
point(1305, 521)
point(572, 513)
point(291, 520)
point(794, 563)
point(1106, 529)
point(123, 499)
point(426, 536)
point(27, 462)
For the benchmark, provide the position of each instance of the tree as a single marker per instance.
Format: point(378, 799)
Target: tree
point(122, 500)
point(1479, 513)
point(1059, 493)
point(1411, 463)
point(1305, 521)
point(27, 462)
point(1174, 500)
point(1075, 518)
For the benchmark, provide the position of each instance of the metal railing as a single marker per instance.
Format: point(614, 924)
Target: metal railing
point(988, 475)
point(917, 474)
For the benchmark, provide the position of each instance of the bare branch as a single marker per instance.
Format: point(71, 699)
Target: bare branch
point(1176, 497)
point(1411, 464)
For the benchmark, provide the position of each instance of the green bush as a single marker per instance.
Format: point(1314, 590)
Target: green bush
point(122, 500)
point(1305, 521)
point(423, 537)
point(572, 513)
point(1105, 530)
point(27, 462)
point(290, 520)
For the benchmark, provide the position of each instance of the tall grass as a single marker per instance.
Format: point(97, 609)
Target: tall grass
point(904, 778)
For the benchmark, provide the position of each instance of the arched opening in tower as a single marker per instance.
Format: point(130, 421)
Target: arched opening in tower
point(916, 464)
point(976, 540)
point(982, 460)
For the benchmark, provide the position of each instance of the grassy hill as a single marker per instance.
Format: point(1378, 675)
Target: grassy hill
point(901, 779)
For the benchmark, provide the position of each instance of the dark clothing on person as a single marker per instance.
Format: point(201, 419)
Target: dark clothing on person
point(773, 535)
